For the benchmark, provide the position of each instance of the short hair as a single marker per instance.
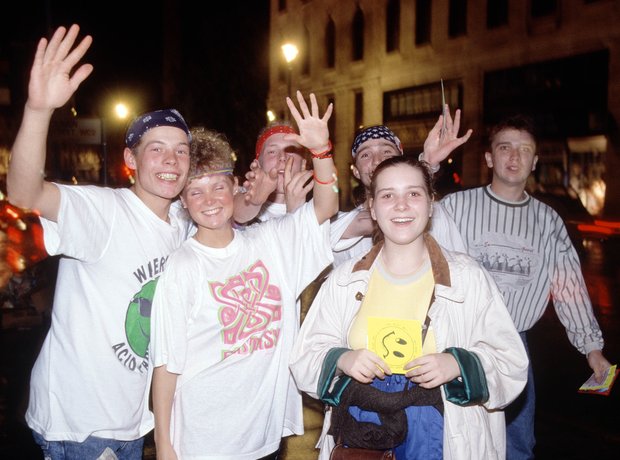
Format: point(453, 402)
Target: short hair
point(210, 152)
point(520, 122)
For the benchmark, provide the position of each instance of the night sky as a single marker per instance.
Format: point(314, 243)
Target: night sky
point(222, 78)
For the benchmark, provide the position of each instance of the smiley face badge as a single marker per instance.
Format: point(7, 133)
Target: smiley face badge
point(396, 341)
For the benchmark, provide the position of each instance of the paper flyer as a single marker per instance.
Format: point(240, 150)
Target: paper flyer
point(591, 386)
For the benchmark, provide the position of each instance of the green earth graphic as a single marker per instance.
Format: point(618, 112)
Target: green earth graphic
point(138, 320)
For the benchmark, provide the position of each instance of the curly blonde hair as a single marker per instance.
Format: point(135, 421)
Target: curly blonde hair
point(210, 152)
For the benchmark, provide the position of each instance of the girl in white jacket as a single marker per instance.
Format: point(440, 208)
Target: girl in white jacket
point(411, 346)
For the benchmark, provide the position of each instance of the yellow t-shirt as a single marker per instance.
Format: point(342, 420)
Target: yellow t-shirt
point(389, 296)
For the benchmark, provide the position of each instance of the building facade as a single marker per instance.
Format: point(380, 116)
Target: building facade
point(384, 61)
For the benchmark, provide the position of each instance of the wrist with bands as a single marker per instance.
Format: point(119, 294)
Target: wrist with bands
point(332, 182)
point(433, 169)
point(327, 153)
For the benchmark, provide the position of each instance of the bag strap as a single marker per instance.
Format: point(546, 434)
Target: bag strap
point(427, 320)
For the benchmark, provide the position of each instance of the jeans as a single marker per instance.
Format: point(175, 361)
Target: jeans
point(92, 448)
point(520, 438)
point(424, 439)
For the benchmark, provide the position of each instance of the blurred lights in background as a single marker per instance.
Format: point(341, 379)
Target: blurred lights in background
point(21, 239)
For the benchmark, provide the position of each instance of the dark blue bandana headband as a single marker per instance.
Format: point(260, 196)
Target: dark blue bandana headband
point(375, 132)
point(150, 120)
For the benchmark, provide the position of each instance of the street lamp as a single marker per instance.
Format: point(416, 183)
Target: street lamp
point(290, 52)
point(121, 112)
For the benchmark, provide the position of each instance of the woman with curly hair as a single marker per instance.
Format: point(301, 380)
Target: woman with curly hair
point(224, 318)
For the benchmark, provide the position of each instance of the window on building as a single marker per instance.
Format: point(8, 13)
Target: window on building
point(281, 5)
point(392, 25)
point(305, 57)
point(542, 8)
point(358, 35)
point(330, 44)
point(358, 109)
point(497, 13)
point(457, 18)
point(421, 102)
point(422, 22)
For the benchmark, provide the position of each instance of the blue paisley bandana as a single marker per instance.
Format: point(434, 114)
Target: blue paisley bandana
point(150, 120)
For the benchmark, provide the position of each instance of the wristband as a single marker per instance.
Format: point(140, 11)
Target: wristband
point(433, 169)
point(327, 153)
point(332, 182)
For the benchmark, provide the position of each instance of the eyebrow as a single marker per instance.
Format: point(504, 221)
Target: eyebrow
point(520, 143)
point(159, 141)
point(381, 144)
point(409, 187)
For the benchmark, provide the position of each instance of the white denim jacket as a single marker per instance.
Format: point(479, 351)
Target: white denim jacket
point(468, 312)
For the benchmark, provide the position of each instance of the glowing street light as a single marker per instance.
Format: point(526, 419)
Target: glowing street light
point(121, 112)
point(290, 52)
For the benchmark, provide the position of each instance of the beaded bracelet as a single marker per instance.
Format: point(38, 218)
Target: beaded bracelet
point(327, 153)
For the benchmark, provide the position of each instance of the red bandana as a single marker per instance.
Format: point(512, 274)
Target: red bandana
point(270, 132)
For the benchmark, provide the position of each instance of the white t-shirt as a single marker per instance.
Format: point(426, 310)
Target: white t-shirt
point(348, 248)
point(91, 375)
point(271, 210)
point(225, 320)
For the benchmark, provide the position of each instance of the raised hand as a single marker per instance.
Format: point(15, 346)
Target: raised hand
point(259, 184)
point(313, 130)
point(52, 79)
point(440, 143)
point(363, 365)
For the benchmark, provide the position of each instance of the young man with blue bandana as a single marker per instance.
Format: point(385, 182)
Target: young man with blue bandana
point(351, 232)
point(89, 385)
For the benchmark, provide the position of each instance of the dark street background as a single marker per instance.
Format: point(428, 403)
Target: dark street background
point(569, 425)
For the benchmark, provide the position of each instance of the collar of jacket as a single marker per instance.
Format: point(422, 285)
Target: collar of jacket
point(439, 264)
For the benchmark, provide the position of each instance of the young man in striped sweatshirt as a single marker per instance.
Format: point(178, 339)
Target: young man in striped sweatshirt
point(524, 245)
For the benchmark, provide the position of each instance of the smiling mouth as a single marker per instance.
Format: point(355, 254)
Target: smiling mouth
point(210, 212)
point(168, 176)
point(402, 220)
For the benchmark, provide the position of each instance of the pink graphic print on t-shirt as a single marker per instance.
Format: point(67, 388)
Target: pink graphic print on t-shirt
point(249, 309)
